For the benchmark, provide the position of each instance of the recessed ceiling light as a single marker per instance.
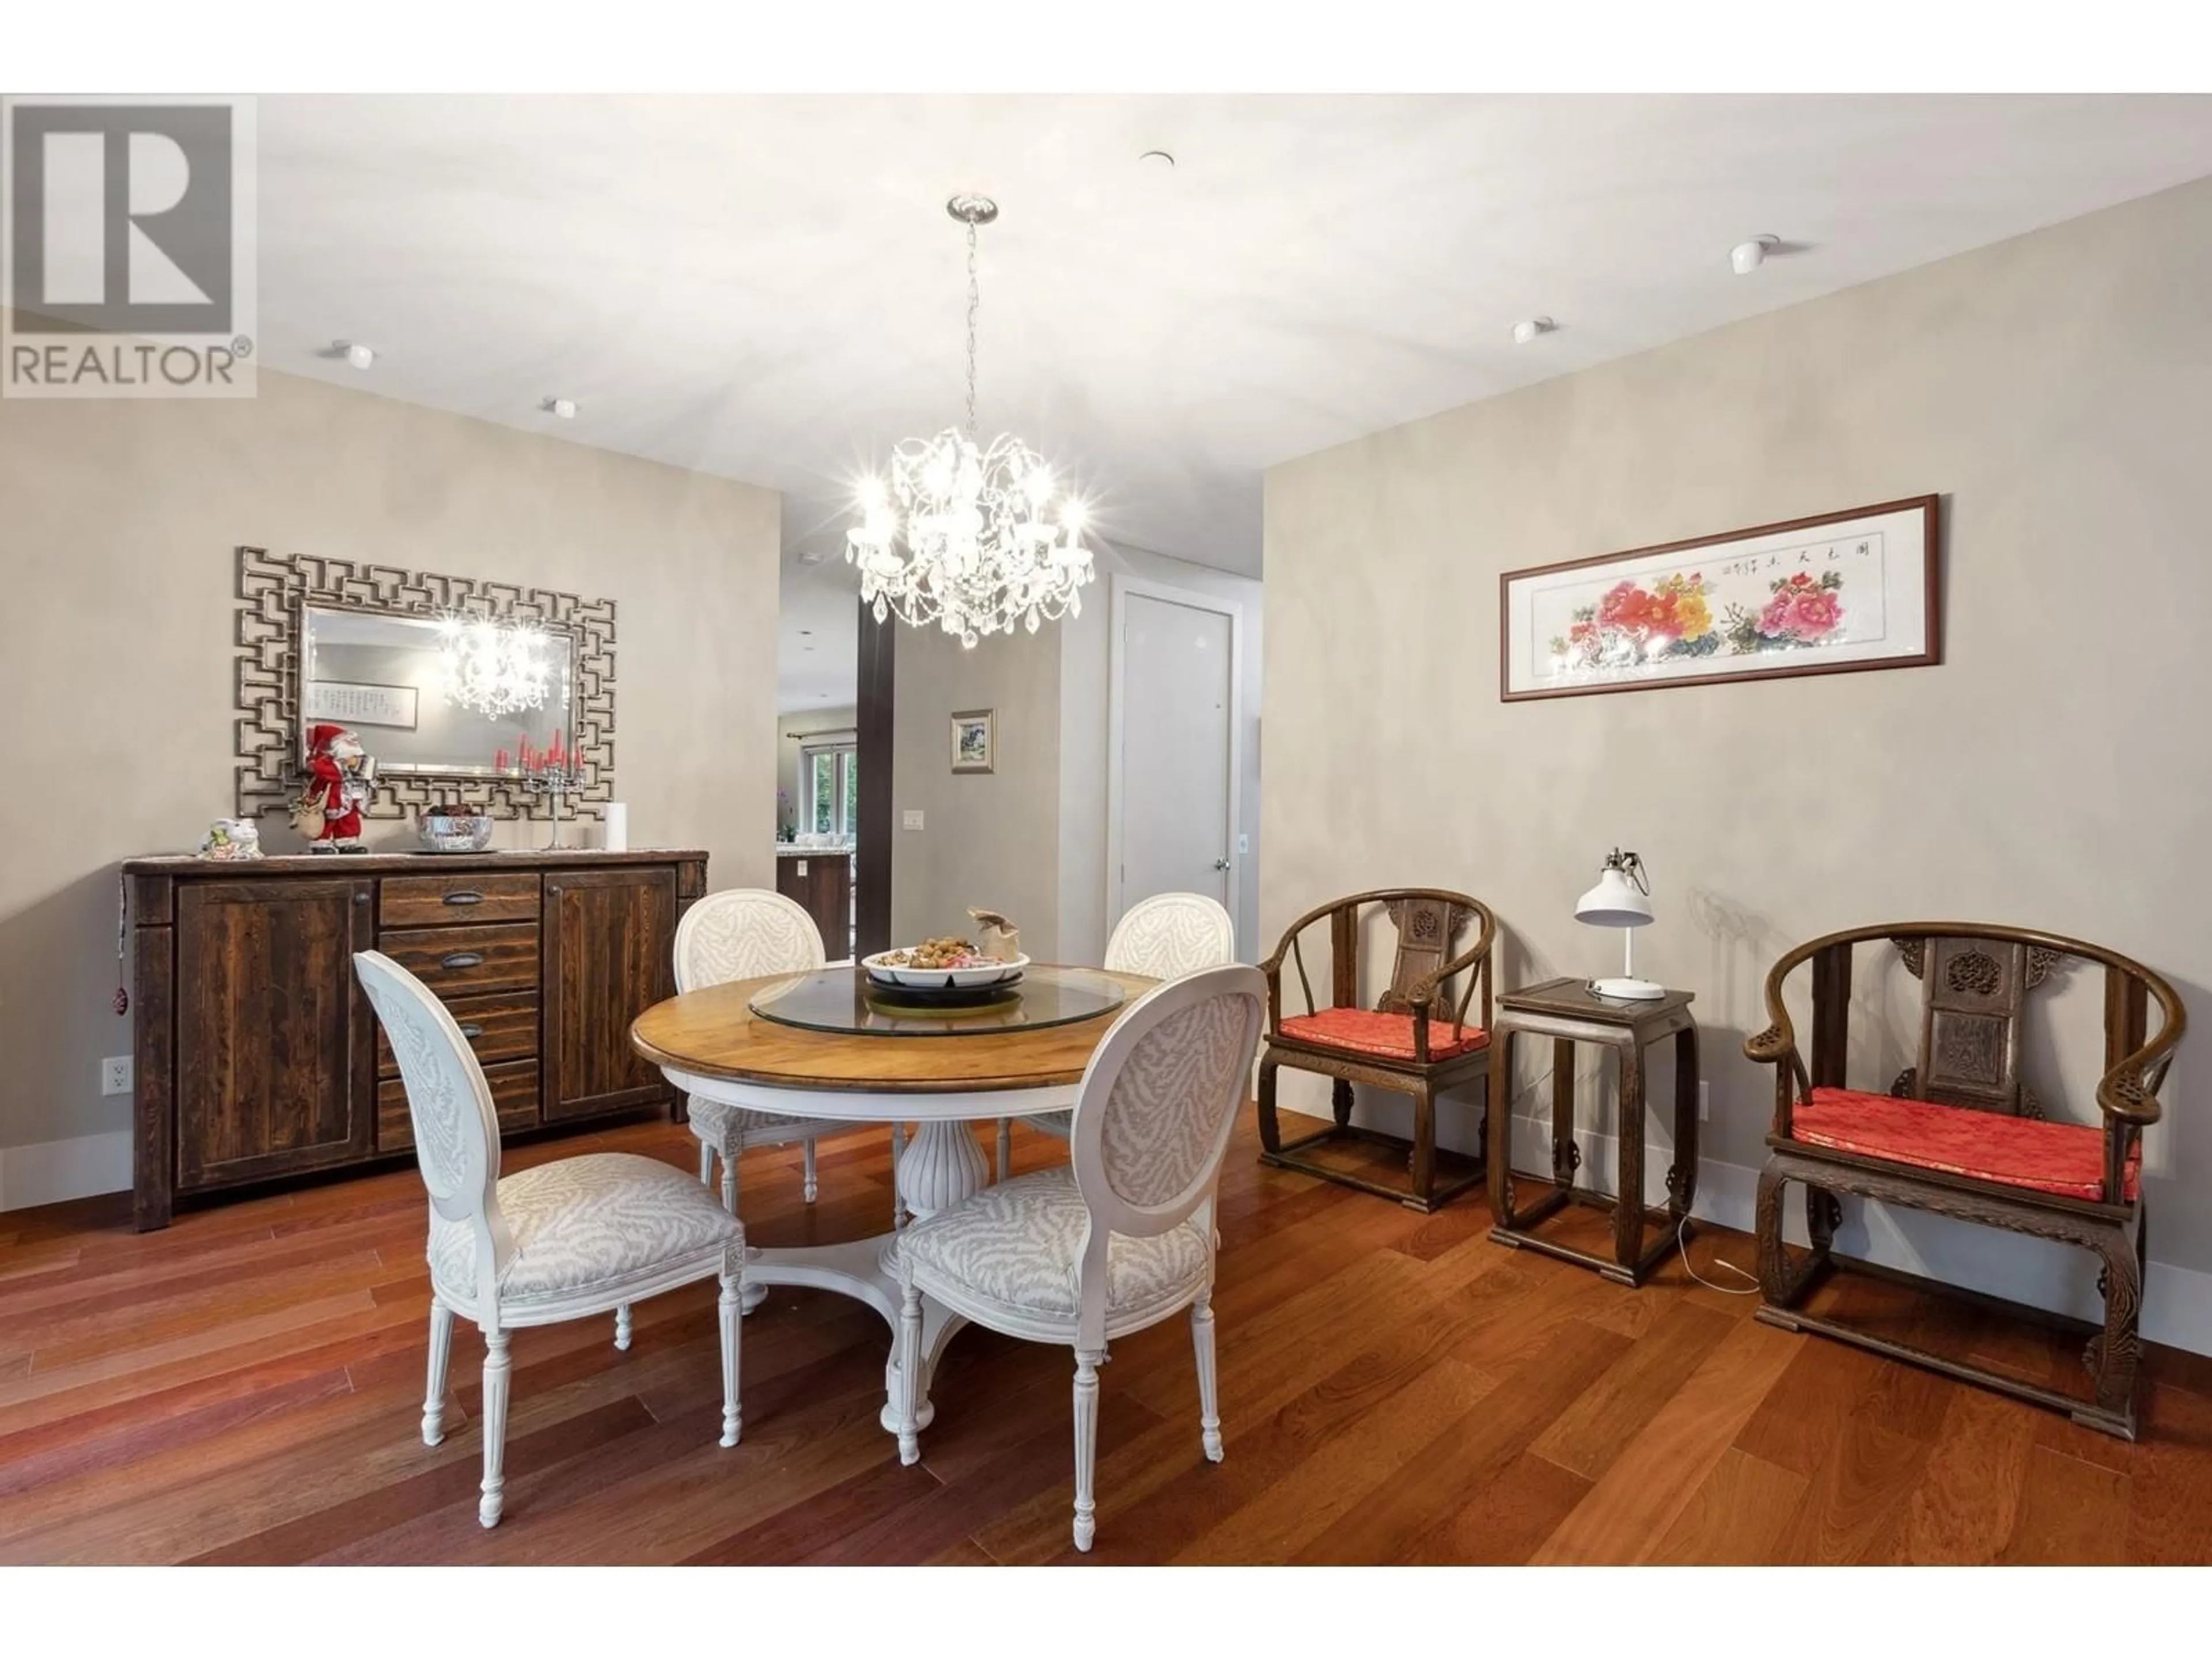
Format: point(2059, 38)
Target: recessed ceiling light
point(356, 354)
point(1157, 158)
point(1747, 256)
point(1529, 328)
point(563, 408)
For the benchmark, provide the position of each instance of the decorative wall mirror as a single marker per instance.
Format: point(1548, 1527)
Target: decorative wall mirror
point(462, 689)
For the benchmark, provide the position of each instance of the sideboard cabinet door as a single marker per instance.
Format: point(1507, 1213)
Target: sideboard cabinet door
point(610, 938)
point(276, 1045)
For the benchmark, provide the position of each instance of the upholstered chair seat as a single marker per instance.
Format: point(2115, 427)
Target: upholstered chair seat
point(1390, 1036)
point(1017, 1245)
point(586, 1226)
point(2065, 1159)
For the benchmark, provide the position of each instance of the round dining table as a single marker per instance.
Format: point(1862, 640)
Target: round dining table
point(827, 1045)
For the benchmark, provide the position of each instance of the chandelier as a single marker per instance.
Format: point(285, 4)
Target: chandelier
point(495, 668)
point(977, 539)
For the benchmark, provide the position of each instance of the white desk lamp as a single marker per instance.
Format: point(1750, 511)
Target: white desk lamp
point(1621, 899)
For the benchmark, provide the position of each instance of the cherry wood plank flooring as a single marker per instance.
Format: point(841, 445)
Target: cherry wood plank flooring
point(246, 1387)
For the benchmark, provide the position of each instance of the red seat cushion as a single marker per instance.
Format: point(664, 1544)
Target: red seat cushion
point(2066, 1158)
point(1389, 1037)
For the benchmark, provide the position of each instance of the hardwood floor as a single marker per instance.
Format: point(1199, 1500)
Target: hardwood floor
point(245, 1388)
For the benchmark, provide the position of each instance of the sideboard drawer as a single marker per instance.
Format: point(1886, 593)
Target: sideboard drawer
point(462, 961)
point(500, 1027)
point(451, 901)
point(514, 1098)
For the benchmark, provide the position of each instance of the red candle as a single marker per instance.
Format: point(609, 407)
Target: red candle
point(499, 762)
point(555, 752)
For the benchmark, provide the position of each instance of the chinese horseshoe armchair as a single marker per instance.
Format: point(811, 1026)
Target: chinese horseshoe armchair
point(1961, 1134)
point(1418, 1040)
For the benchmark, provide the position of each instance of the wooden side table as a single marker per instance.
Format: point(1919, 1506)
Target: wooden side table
point(1568, 1012)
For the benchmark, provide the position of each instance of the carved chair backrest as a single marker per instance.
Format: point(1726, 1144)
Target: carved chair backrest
point(1976, 984)
point(744, 933)
point(450, 1105)
point(1427, 924)
point(1171, 934)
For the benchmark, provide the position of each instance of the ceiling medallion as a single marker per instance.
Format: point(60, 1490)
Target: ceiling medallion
point(977, 538)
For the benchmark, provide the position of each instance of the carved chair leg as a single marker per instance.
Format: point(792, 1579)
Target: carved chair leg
point(706, 1163)
point(1339, 1102)
point(622, 1326)
point(2115, 1352)
point(730, 1178)
point(1778, 1286)
point(1086, 1444)
point(1209, 1381)
point(1271, 1130)
point(909, 1368)
point(496, 1372)
point(813, 1187)
point(434, 1394)
point(729, 1309)
point(1824, 1213)
point(1423, 1163)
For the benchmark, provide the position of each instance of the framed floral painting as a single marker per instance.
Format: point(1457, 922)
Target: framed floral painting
point(1823, 595)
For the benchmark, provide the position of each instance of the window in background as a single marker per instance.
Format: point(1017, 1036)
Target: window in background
point(833, 790)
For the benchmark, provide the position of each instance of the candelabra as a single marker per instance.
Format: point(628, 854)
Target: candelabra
point(555, 782)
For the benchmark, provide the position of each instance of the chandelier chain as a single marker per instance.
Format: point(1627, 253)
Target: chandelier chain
point(975, 305)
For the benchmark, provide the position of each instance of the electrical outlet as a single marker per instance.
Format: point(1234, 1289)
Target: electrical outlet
point(1704, 1100)
point(115, 1075)
point(911, 818)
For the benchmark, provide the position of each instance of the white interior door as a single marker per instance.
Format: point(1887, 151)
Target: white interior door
point(1177, 759)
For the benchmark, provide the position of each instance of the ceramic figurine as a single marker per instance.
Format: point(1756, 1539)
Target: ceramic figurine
point(229, 839)
point(339, 773)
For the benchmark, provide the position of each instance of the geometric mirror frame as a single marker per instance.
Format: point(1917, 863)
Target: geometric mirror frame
point(274, 589)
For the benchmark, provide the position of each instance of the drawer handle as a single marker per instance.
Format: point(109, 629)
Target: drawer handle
point(461, 959)
point(464, 899)
point(472, 1032)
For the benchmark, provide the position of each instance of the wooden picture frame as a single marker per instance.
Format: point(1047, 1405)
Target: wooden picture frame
point(1837, 593)
point(976, 740)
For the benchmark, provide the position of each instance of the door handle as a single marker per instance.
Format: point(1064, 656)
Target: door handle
point(1221, 863)
point(472, 1032)
point(461, 959)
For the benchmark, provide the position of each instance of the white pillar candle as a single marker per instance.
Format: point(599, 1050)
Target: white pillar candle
point(618, 835)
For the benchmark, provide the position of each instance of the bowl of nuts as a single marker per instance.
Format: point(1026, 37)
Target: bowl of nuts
point(943, 964)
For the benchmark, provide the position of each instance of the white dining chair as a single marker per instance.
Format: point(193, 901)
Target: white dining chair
point(568, 1240)
point(747, 932)
point(1123, 1236)
point(1164, 937)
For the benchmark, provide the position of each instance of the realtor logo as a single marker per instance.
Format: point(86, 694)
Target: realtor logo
point(128, 230)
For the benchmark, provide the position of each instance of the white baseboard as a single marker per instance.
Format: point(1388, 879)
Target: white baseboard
point(2177, 1307)
point(55, 1171)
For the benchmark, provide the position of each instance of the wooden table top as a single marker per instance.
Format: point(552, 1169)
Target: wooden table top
point(1572, 999)
point(714, 1033)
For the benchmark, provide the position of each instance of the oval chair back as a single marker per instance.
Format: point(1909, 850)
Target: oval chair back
point(450, 1105)
point(1171, 934)
point(1155, 1109)
point(744, 933)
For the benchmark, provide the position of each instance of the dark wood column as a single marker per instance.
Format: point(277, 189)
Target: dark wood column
point(875, 694)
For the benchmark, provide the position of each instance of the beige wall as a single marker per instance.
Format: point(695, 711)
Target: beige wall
point(988, 839)
point(117, 521)
point(789, 730)
point(2057, 390)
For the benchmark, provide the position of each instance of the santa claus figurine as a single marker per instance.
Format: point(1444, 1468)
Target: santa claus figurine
point(339, 773)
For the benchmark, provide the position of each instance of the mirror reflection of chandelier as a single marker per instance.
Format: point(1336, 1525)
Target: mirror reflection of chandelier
point(495, 668)
point(989, 541)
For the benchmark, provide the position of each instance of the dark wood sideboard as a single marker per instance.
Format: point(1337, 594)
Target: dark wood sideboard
point(259, 1059)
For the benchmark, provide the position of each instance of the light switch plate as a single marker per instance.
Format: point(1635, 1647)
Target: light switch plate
point(911, 818)
point(115, 1075)
point(1244, 844)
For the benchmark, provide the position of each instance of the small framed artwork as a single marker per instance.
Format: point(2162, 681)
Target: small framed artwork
point(1823, 595)
point(975, 741)
point(349, 704)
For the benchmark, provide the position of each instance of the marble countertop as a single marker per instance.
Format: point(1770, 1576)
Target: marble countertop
point(784, 849)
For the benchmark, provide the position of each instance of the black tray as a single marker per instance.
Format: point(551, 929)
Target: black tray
point(941, 996)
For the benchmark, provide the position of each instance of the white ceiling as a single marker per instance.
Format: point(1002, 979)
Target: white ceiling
point(768, 287)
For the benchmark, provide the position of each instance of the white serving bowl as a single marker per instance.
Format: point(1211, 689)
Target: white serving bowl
point(941, 979)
